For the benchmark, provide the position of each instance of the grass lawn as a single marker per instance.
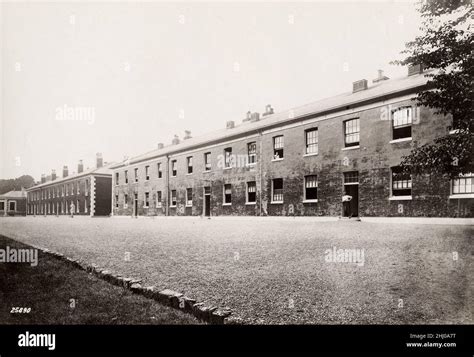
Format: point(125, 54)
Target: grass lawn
point(49, 287)
point(274, 270)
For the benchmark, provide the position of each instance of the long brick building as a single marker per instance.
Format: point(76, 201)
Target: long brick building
point(89, 190)
point(301, 162)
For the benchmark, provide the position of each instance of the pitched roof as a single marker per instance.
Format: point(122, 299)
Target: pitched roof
point(104, 170)
point(14, 194)
point(320, 107)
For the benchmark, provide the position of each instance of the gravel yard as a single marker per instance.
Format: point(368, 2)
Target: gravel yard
point(276, 270)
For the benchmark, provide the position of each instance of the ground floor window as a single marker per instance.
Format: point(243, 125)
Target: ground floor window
point(189, 197)
point(277, 190)
point(311, 188)
point(173, 198)
point(147, 199)
point(116, 201)
point(85, 206)
point(159, 199)
point(228, 194)
point(2, 206)
point(401, 182)
point(125, 201)
point(251, 192)
point(463, 184)
point(12, 205)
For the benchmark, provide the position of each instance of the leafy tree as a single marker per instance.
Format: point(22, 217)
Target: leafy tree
point(25, 181)
point(445, 50)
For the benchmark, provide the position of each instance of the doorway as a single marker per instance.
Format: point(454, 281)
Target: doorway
point(207, 201)
point(135, 205)
point(351, 188)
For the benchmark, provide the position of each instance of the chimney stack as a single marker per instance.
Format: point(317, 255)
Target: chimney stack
point(175, 140)
point(160, 146)
point(255, 117)
point(187, 134)
point(248, 116)
point(359, 85)
point(268, 110)
point(53, 175)
point(80, 167)
point(99, 160)
point(65, 171)
point(43, 178)
point(415, 69)
point(230, 124)
point(380, 77)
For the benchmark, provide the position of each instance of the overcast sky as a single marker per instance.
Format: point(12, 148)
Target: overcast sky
point(117, 78)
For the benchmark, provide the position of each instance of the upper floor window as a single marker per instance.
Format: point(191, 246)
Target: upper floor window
point(158, 199)
point(116, 178)
point(147, 200)
point(147, 172)
point(126, 176)
point(311, 188)
point(125, 201)
point(227, 157)
point(174, 168)
point(278, 144)
point(401, 182)
point(402, 121)
point(136, 174)
point(207, 161)
point(311, 141)
point(251, 192)
point(351, 132)
point(464, 184)
point(190, 164)
point(277, 190)
point(227, 194)
point(160, 173)
point(252, 152)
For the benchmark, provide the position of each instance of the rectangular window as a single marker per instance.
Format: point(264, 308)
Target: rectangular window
point(312, 141)
point(228, 157)
point(207, 161)
point(351, 177)
point(116, 178)
point(227, 194)
point(402, 121)
point(311, 188)
point(85, 205)
point(136, 174)
point(147, 200)
point(173, 198)
point(67, 190)
point(252, 152)
point(463, 184)
point(189, 197)
point(12, 205)
point(2, 205)
point(190, 164)
point(351, 132)
point(78, 187)
point(125, 201)
point(160, 173)
point(174, 168)
point(77, 207)
point(401, 182)
point(251, 192)
point(277, 190)
point(158, 199)
point(278, 144)
point(126, 176)
point(116, 201)
point(147, 173)
point(87, 188)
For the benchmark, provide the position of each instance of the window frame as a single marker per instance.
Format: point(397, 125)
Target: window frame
point(224, 194)
point(247, 196)
point(273, 201)
point(251, 156)
point(189, 202)
point(175, 198)
point(405, 196)
point(305, 189)
point(347, 134)
point(403, 127)
point(189, 163)
point(308, 145)
point(147, 173)
point(207, 164)
point(276, 150)
point(174, 168)
point(466, 193)
point(228, 158)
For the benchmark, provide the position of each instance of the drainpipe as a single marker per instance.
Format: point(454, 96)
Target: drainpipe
point(260, 163)
point(167, 185)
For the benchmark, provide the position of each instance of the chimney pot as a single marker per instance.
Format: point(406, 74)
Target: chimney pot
point(255, 117)
point(380, 77)
point(359, 85)
point(187, 134)
point(248, 116)
point(268, 110)
point(160, 146)
point(175, 140)
point(99, 160)
point(65, 171)
point(53, 175)
point(43, 178)
point(80, 167)
point(230, 124)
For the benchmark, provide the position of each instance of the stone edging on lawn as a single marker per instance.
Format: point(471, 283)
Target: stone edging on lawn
point(200, 310)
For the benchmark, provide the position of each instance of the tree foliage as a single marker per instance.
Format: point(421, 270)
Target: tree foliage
point(25, 181)
point(445, 50)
